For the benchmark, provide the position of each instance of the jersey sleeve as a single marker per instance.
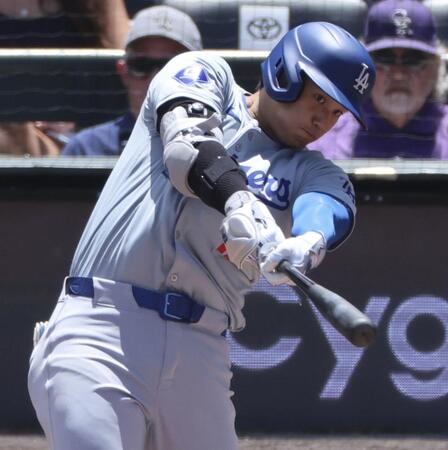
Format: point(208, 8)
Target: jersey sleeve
point(199, 76)
point(322, 175)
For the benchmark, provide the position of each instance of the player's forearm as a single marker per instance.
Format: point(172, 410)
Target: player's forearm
point(215, 176)
point(322, 213)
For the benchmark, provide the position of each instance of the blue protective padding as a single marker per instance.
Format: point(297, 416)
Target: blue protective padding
point(315, 211)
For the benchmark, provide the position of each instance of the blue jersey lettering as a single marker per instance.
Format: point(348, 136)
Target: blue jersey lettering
point(272, 191)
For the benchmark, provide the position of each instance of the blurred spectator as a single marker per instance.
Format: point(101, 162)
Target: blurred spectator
point(406, 116)
point(157, 34)
point(55, 23)
point(63, 23)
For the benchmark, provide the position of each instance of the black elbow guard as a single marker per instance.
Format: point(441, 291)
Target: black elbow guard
point(215, 176)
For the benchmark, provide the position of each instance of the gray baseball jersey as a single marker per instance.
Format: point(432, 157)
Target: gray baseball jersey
point(142, 231)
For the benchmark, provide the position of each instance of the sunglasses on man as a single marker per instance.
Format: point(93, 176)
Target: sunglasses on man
point(144, 66)
point(412, 60)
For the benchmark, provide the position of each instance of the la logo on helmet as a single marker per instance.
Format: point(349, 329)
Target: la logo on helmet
point(362, 82)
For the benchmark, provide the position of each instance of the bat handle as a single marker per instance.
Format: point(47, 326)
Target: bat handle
point(299, 279)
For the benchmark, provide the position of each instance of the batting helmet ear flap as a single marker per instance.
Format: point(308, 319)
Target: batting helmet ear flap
point(282, 80)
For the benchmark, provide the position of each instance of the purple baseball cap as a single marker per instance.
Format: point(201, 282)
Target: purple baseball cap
point(400, 23)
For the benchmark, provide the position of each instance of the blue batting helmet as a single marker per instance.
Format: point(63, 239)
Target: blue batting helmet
point(336, 61)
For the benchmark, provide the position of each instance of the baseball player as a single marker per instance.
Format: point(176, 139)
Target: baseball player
point(213, 189)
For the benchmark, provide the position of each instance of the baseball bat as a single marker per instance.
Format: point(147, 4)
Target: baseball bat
point(345, 317)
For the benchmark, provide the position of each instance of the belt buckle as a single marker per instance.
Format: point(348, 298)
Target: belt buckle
point(168, 303)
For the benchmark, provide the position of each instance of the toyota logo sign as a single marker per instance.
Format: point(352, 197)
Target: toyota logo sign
point(264, 28)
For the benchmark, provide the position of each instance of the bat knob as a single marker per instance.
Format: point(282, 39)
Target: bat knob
point(363, 335)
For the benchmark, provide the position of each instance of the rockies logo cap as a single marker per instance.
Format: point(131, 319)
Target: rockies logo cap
point(400, 23)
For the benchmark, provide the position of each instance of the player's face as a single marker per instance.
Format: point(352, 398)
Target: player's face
point(404, 80)
point(144, 58)
point(298, 123)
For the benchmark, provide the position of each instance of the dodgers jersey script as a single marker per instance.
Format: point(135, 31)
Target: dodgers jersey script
point(144, 232)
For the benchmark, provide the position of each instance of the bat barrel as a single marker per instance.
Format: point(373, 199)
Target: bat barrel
point(363, 334)
point(344, 316)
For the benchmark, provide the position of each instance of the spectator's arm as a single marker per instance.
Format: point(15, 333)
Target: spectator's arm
point(112, 21)
point(23, 138)
point(16, 138)
point(107, 19)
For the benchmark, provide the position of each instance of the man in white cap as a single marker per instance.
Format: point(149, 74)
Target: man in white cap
point(156, 35)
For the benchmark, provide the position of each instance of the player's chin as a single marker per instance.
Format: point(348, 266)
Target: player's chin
point(292, 140)
point(301, 140)
point(297, 140)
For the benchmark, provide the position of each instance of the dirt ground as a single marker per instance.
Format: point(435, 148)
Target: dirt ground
point(308, 442)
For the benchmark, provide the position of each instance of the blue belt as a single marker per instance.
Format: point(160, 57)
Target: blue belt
point(170, 306)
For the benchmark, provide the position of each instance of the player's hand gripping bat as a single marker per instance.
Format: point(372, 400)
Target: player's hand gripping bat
point(344, 316)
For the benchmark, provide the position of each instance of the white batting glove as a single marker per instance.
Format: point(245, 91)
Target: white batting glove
point(303, 252)
point(247, 227)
